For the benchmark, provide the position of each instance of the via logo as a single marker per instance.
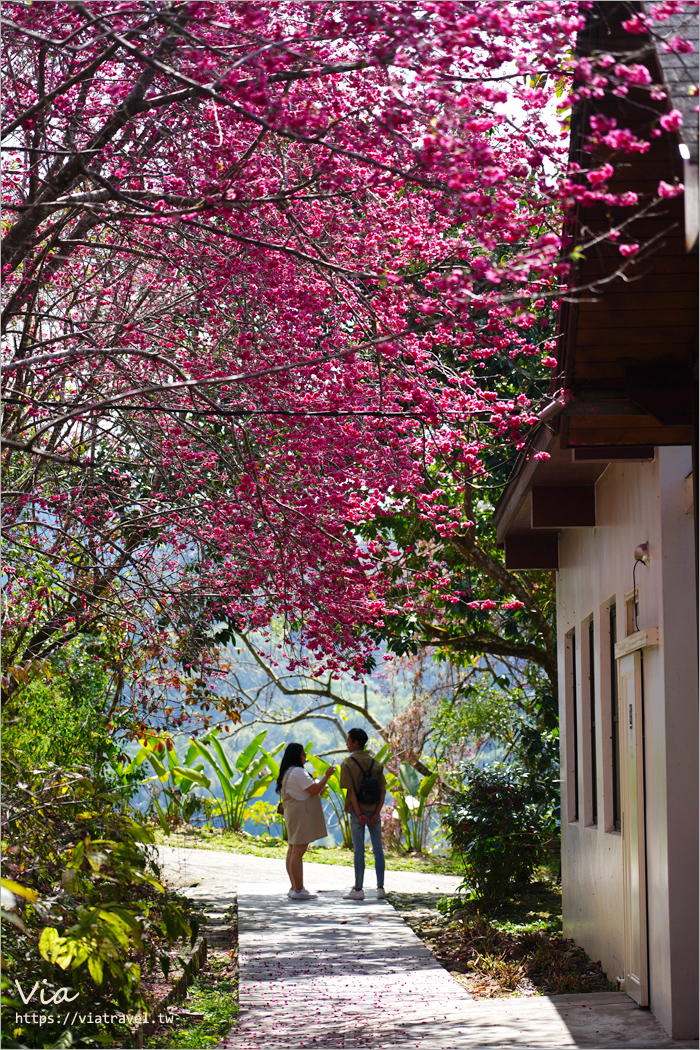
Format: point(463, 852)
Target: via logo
point(47, 998)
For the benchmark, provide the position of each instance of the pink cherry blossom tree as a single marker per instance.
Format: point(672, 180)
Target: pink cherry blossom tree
point(256, 260)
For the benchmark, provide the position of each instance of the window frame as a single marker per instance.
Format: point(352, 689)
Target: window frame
point(589, 723)
point(572, 727)
point(608, 709)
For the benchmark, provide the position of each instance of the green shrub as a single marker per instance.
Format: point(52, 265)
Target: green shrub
point(89, 913)
point(500, 823)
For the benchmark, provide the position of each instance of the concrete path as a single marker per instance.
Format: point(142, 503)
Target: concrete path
point(229, 870)
point(329, 973)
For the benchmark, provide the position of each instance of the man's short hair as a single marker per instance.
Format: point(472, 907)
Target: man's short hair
point(359, 736)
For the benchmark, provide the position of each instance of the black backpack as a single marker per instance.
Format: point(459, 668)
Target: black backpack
point(369, 791)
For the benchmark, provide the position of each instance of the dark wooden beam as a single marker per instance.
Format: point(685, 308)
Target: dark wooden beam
point(563, 506)
point(635, 453)
point(625, 436)
point(602, 407)
point(664, 391)
point(532, 551)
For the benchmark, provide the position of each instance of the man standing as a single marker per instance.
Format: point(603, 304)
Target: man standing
point(366, 787)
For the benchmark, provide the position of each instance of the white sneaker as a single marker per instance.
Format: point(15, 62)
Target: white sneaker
point(354, 895)
point(301, 895)
point(381, 892)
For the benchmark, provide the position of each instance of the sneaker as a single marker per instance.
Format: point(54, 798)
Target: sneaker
point(381, 892)
point(290, 891)
point(301, 895)
point(354, 895)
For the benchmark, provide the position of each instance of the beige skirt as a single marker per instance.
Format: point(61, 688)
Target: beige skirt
point(304, 819)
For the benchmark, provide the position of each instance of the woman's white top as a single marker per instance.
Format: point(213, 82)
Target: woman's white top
point(296, 781)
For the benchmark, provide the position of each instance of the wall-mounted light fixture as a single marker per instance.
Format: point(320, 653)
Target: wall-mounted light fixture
point(641, 554)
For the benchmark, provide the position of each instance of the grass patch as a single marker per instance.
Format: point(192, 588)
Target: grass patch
point(267, 846)
point(208, 1012)
point(516, 950)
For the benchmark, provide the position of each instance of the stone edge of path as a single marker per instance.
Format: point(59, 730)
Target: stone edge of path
point(193, 964)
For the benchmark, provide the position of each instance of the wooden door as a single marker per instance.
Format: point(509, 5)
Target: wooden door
point(633, 839)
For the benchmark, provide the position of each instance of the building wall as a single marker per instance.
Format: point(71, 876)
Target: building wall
point(635, 503)
point(681, 728)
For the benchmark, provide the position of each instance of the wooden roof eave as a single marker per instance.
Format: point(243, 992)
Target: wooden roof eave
point(542, 440)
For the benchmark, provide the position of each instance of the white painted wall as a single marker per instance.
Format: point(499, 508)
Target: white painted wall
point(637, 502)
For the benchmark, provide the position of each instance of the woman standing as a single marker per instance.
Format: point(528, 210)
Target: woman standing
point(303, 813)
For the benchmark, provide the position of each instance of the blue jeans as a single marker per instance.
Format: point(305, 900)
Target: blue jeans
point(358, 842)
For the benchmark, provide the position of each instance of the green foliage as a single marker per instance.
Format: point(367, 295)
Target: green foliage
point(336, 797)
point(480, 711)
point(90, 914)
point(537, 741)
point(59, 713)
point(264, 814)
point(411, 794)
point(500, 823)
point(519, 721)
point(212, 995)
point(93, 916)
point(128, 774)
point(256, 773)
point(174, 778)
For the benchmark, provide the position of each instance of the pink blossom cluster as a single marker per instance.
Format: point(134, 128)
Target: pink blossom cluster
point(262, 264)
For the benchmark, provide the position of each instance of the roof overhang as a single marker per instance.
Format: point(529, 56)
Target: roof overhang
point(628, 340)
point(552, 488)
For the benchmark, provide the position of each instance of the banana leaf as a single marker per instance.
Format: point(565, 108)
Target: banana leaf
point(191, 754)
point(184, 781)
point(256, 766)
point(225, 764)
point(158, 766)
point(383, 755)
point(272, 765)
point(246, 756)
point(410, 780)
point(190, 776)
point(220, 773)
point(260, 786)
point(161, 816)
point(336, 797)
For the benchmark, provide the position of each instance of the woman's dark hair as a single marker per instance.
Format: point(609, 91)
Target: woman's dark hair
point(359, 736)
point(290, 758)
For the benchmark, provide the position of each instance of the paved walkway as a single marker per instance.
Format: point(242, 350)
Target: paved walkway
point(229, 870)
point(329, 973)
